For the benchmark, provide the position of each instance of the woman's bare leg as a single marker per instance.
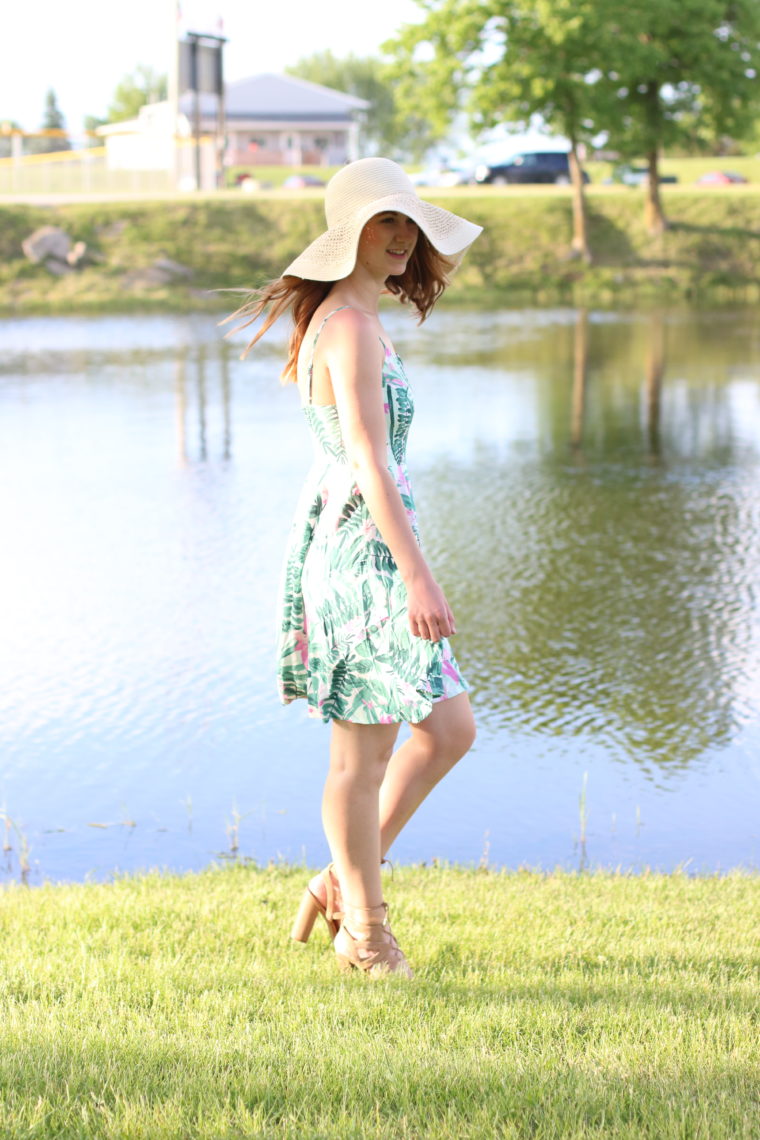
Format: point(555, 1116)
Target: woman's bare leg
point(413, 771)
point(359, 756)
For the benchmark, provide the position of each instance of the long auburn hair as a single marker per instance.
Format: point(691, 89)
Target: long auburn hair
point(421, 284)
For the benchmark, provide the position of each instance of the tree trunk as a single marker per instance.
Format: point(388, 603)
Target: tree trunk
point(654, 218)
point(654, 375)
point(580, 373)
point(579, 245)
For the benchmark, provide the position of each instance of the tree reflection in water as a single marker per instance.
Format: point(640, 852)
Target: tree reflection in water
point(605, 578)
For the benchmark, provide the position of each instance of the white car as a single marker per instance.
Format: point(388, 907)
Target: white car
point(443, 176)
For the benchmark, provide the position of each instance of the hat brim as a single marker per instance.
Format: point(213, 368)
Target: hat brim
point(332, 256)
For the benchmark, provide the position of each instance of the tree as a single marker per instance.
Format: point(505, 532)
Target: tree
point(683, 71)
point(648, 72)
point(143, 85)
point(8, 127)
point(52, 120)
point(385, 130)
point(91, 123)
point(503, 60)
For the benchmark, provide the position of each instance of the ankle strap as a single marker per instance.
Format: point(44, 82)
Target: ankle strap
point(370, 915)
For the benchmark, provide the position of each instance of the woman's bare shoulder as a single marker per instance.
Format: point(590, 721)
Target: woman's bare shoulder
point(350, 331)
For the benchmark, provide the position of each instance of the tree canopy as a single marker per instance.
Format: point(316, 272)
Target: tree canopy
point(387, 129)
point(52, 120)
point(648, 73)
point(143, 85)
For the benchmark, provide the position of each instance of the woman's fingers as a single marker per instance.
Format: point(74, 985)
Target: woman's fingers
point(432, 627)
point(430, 615)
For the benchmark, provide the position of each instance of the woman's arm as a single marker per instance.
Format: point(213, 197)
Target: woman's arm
point(353, 354)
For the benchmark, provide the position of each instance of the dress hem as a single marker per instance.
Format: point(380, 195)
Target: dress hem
point(316, 713)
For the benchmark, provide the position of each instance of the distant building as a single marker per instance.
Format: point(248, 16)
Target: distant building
point(270, 120)
point(278, 120)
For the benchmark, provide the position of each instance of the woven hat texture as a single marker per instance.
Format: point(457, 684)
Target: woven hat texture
point(354, 195)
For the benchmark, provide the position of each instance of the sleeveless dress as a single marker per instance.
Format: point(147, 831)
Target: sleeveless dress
point(344, 639)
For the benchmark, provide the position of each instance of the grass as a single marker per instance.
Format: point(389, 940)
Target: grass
point(687, 170)
point(544, 1005)
point(712, 249)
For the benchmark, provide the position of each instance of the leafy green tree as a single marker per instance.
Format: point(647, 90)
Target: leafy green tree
point(500, 61)
point(650, 73)
point(143, 85)
point(386, 130)
point(91, 123)
point(52, 120)
point(7, 127)
point(682, 72)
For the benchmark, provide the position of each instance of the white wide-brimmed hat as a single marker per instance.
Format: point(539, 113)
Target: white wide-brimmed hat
point(354, 195)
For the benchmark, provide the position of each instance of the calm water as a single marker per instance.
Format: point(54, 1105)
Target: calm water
point(588, 492)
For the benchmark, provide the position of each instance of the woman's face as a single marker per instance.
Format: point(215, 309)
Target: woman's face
point(386, 244)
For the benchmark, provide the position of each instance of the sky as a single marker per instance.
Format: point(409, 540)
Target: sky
point(82, 48)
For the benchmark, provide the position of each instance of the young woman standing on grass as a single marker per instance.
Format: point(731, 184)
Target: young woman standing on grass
point(363, 623)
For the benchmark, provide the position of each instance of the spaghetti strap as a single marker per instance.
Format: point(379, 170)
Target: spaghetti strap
point(310, 371)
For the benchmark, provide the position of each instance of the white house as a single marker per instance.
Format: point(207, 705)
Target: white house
point(270, 120)
point(278, 120)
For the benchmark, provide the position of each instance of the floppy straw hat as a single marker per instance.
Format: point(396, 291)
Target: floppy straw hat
point(354, 195)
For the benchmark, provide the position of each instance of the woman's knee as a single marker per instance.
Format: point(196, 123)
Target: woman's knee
point(361, 755)
point(460, 737)
point(449, 735)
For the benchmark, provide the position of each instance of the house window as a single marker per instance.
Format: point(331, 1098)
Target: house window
point(321, 143)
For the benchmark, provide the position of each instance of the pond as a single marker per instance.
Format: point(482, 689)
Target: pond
point(588, 486)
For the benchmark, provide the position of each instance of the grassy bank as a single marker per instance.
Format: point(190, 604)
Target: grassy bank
point(558, 1005)
point(712, 249)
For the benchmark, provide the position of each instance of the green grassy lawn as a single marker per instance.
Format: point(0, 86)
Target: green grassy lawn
point(711, 250)
point(543, 1006)
point(687, 170)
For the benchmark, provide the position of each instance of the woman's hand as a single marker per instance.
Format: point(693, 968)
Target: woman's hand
point(430, 615)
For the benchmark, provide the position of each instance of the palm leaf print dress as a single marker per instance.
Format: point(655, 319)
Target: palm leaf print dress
point(344, 638)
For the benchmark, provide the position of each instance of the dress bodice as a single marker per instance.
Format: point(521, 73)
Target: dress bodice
point(399, 410)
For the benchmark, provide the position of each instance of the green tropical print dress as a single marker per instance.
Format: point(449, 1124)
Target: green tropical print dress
point(344, 638)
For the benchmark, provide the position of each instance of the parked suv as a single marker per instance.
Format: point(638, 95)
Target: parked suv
point(530, 166)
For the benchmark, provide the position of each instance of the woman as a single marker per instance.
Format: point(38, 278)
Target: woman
point(364, 624)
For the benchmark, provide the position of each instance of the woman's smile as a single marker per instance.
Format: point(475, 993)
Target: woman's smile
point(391, 237)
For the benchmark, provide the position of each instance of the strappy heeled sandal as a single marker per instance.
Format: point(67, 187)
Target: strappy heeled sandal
point(322, 896)
point(366, 942)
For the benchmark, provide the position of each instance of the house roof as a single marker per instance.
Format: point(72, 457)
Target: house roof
point(288, 95)
point(270, 99)
point(279, 98)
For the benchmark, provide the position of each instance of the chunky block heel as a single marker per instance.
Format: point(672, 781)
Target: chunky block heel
point(306, 917)
point(322, 897)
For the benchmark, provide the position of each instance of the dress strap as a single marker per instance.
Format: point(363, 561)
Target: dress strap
point(310, 371)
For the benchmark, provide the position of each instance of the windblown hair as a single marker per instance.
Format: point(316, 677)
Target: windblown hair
point(421, 284)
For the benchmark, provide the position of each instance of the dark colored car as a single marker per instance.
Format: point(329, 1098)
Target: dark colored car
point(530, 166)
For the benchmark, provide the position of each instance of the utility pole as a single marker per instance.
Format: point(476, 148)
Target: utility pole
point(203, 69)
point(173, 89)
